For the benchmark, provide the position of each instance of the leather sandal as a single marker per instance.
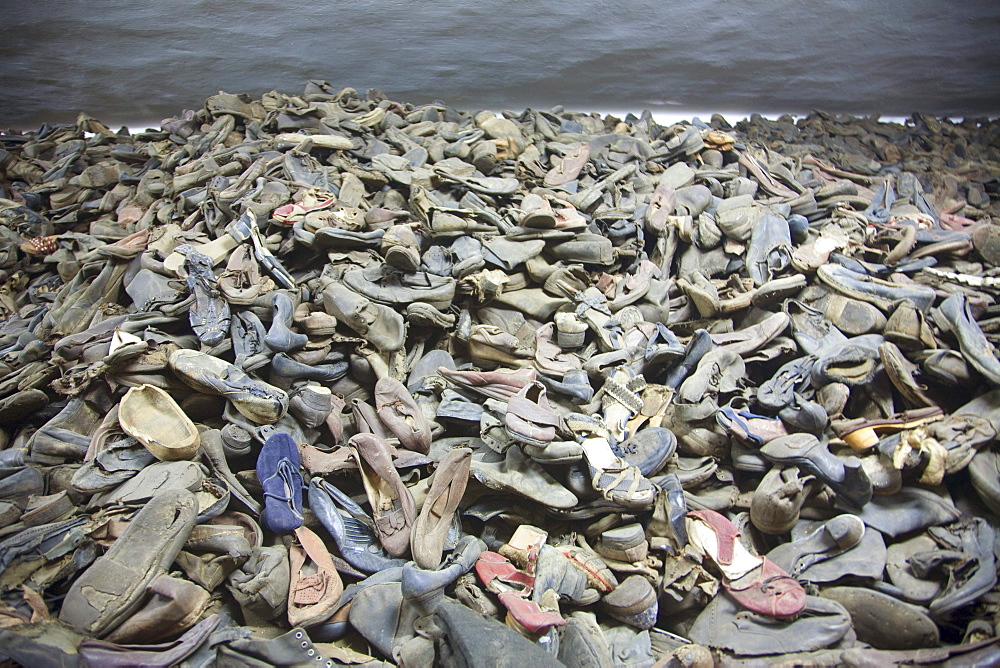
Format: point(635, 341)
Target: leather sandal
point(756, 583)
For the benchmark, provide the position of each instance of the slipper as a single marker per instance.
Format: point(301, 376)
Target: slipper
point(152, 417)
point(756, 583)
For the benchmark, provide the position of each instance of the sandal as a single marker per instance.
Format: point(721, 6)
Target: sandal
point(210, 314)
point(862, 434)
point(313, 200)
point(750, 428)
point(514, 587)
point(621, 399)
point(756, 583)
point(617, 481)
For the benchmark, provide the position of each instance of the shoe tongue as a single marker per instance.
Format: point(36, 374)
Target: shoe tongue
point(310, 589)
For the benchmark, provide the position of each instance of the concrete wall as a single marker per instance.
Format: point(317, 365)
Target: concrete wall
point(137, 62)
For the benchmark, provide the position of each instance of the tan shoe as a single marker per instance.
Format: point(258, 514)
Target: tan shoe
point(438, 512)
point(152, 417)
point(315, 587)
point(401, 414)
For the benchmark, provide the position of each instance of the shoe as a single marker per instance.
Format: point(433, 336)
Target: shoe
point(280, 338)
point(615, 478)
point(529, 419)
point(499, 384)
point(582, 642)
point(648, 450)
point(883, 294)
point(633, 602)
point(756, 583)
point(833, 537)
point(386, 285)
point(514, 472)
point(393, 510)
point(278, 472)
point(724, 624)
point(437, 514)
point(114, 586)
point(242, 283)
point(260, 586)
point(247, 333)
point(769, 251)
point(492, 643)
point(845, 477)
point(66, 437)
point(311, 405)
point(350, 528)
point(971, 572)
point(862, 434)
point(778, 499)
point(173, 607)
point(262, 403)
point(885, 622)
point(399, 412)
point(118, 462)
point(104, 653)
point(152, 417)
point(285, 370)
point(977, 350)
point(376, 323)
point(209, 315)
point(315, 586)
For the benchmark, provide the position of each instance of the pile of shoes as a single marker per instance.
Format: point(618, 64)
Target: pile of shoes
point(331, 379)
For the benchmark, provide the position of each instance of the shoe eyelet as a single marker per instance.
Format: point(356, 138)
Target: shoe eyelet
point(311, 652)
point(305, 644)
point(298, 634)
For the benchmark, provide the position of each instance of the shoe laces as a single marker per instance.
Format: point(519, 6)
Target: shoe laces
point(715, 379)
point(771, 590)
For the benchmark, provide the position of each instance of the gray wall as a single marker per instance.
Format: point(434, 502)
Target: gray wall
point(137, 62)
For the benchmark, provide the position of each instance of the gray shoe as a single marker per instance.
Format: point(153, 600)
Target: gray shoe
point(881, 293)
point(724, 624)
point(261, 584)
point(883, 621)
point(262, 403)
point(209, 315)
point(114, 586)
point(770, 248)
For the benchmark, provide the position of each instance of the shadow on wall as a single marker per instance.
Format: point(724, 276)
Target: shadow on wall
point(124, 62)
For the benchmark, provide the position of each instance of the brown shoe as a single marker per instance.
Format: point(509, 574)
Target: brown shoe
point(401, 414)
point(392, 504)
point(241, 283)
point(315, 586)
point(438, 512)
point(174, 605)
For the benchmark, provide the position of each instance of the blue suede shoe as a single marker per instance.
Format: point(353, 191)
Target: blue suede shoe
point(279, 474)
